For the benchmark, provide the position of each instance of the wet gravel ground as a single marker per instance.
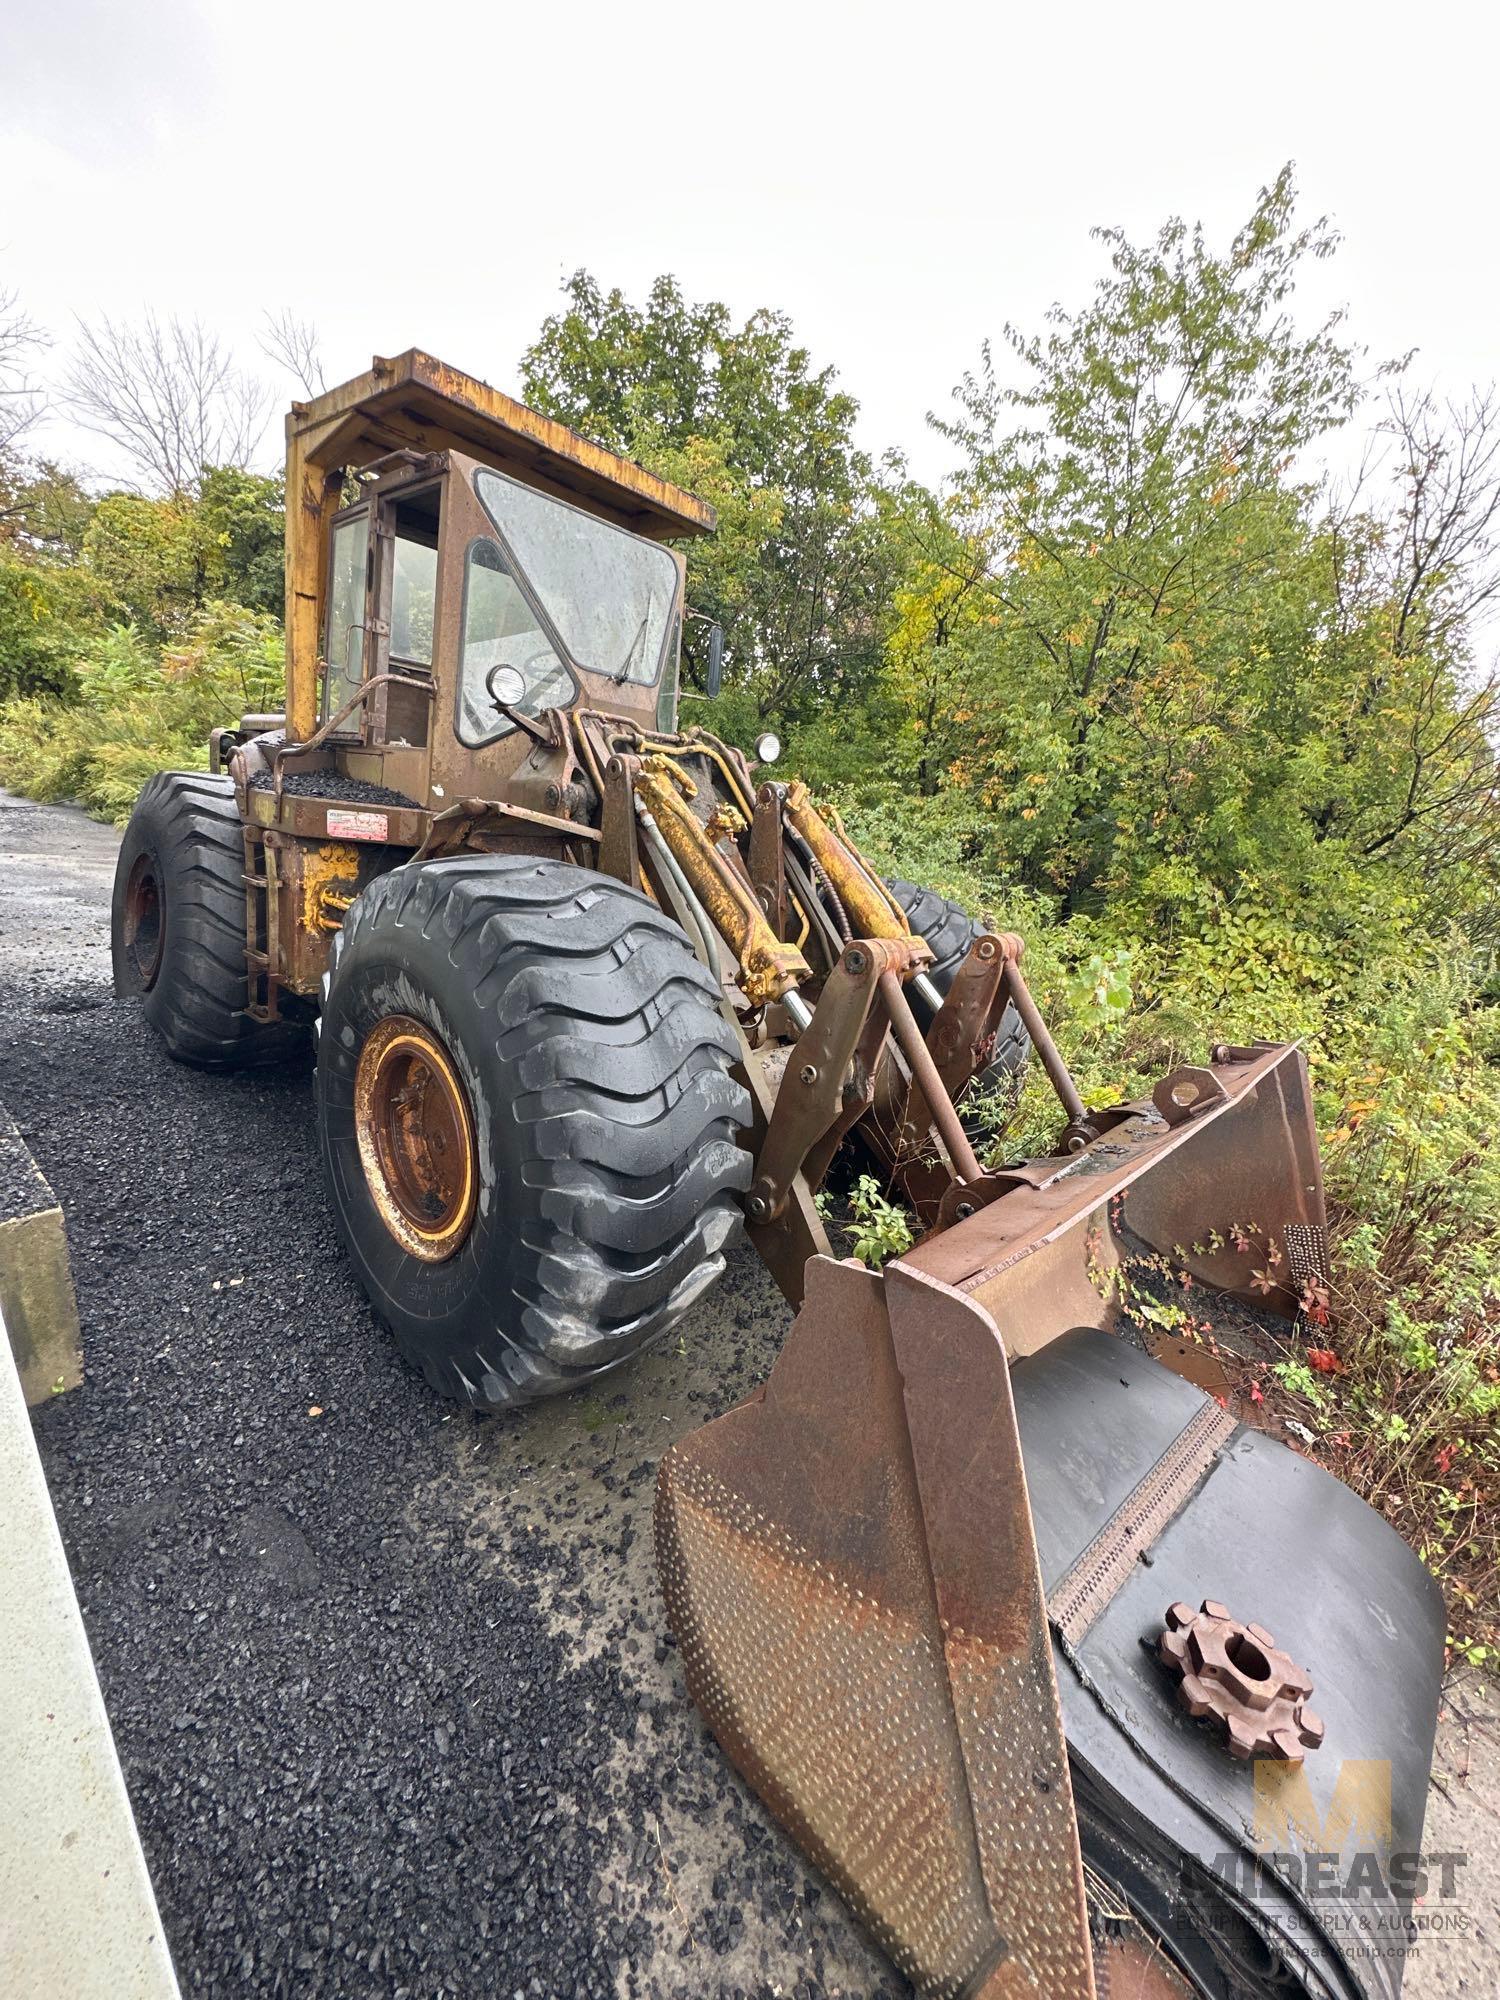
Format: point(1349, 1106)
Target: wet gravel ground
point(388, 1680)
point(21, 1189)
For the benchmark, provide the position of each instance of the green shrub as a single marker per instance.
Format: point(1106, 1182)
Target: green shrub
point(139, 709)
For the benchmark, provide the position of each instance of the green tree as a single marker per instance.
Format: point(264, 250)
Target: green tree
point(801, 573)
point(44, 510)
point(47, 602)
point(245, 515)
point(1136, 633)
point(45, 610)
point(156, 561)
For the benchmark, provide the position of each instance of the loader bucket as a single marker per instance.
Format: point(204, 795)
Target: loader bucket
point(849, 1568)
point(1228, 1195)
point(849, 1559)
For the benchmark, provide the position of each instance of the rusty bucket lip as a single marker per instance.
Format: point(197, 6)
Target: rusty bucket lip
point(863, 1510)
point(1065, 1187)
point(143, 889)
point(393, 1171)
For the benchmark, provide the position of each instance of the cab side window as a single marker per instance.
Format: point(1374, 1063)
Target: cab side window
point(506, 656)
point(416, 521)
point(344, 644)
point(413, 596)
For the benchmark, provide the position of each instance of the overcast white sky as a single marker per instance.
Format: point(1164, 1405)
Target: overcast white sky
point(901, 180)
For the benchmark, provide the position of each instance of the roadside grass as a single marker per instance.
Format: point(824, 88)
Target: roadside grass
point(137, 709)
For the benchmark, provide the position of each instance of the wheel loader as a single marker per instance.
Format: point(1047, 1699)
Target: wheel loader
point(1071, 1682)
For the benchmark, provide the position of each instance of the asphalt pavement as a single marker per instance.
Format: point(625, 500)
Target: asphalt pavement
point(389, 1681)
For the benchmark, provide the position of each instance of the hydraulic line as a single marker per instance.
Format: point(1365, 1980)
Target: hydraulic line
point(796, 1007)
point(708, 937)
point(840, 914)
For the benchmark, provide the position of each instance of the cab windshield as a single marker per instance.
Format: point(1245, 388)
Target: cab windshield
point(608, 594)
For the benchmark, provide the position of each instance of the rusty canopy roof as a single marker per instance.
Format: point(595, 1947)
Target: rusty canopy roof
point(418, 403)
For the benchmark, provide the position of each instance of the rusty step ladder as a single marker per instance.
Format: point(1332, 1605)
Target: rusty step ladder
point(262, 957)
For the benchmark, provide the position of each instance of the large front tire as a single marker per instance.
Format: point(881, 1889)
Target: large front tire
point(558, 1023)
point(177, 924)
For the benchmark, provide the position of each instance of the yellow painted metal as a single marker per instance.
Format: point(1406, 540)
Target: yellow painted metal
point(330, 882)
point(414, 402)
point(872, 912)
point(679, 751)
point(725, 822)
point(312, 500)
point(768, 968)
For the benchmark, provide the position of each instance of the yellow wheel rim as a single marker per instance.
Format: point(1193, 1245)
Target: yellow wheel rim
point(145, 928)
point(416, 1138)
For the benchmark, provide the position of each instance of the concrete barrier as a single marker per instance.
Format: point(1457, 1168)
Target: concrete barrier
point(36, 1282)
point(78, 1919)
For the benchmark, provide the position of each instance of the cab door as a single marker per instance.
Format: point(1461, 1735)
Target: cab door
point(346, 633)
point(404, 607)
point(381, 617)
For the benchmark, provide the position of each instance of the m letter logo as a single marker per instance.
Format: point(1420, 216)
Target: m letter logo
point(1287, 1818)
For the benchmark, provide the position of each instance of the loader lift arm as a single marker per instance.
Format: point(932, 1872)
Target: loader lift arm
point(843, 1071)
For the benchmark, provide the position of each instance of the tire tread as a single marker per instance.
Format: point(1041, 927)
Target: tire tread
point(949, 930)
point(198, 1000)
point(628, 1171)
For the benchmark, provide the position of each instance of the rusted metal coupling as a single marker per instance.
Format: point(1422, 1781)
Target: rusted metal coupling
point(834, 1061)
point(1235, 1673)
point(1079, 1129)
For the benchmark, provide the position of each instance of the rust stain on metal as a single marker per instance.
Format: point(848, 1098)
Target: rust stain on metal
point(926, 1078)
point(848, 1564)
point(768, 855)
point(828, 1083)
point(768, 967)
point(1059, 1228)
point(871, 907)
point(415, 1133)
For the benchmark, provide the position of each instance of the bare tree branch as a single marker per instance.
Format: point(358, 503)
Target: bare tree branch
point(169, 395)
point(21, 401)
point(292, 344)
point(1445, 561)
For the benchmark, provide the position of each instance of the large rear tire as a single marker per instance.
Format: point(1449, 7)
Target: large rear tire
point(177, 924)
point(949, 930)
point(559, 1026)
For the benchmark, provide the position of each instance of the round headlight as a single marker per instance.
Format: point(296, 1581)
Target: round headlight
point(767, 747)
point(505, 684)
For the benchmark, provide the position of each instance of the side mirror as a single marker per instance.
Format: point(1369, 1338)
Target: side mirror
point(715, 659)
